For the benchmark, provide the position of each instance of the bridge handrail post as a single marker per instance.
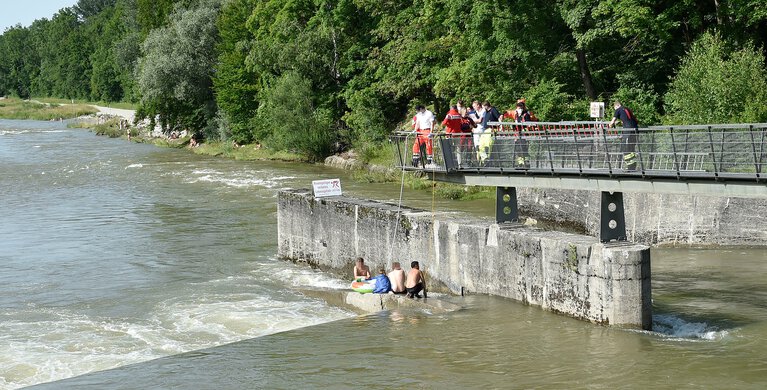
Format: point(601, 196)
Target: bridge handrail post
point(577, 152)
point(639, 152)
point(607, 150)
point(753, 148)
point(447, 144)
point(549, 156)
point(673, 148)
point(396, 141)
point(721, 153)
point(713, 152)
point(761, 149)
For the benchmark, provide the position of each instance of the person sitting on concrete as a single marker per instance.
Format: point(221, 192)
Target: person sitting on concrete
point(361, 271)
point(383, 285)
point(415, 281)
point(397, 279)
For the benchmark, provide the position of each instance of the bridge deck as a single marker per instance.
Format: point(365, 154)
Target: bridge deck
point(715, 160)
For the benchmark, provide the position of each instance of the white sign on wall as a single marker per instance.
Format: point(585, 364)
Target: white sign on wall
point(597, 109)
point(329, 187)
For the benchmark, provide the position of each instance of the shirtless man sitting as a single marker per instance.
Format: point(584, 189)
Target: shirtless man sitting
point(397, 278)
point(361, 271)
point(415, 281)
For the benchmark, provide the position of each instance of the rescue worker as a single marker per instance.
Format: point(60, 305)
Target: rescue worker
point(512, 113)
point(466, 145)
point(423, 121)
point(629, 135)
point(452, 123)
point(521, 147)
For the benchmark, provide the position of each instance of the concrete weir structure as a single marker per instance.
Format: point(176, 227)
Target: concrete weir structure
point(571, 274)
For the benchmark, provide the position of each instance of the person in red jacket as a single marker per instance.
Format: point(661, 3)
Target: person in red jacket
point(452, 121)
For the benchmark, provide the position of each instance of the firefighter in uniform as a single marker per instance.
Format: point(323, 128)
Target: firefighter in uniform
point(629, 135)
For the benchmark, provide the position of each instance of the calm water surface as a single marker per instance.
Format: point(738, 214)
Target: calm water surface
point(128, 266)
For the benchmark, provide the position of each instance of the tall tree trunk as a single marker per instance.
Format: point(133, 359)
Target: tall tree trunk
point(718, 6)
point(585, 74)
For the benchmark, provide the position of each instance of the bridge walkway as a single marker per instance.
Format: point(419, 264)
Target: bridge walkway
point(712, 160)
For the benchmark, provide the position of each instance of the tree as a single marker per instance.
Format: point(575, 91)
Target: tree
point(302, 126)
point(236, 86)
point(20, 60)
point(716, 84)
point(86, 9)
point(175, 77)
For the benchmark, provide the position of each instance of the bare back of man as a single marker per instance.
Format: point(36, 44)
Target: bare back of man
point(397, 278)
point(415, 281)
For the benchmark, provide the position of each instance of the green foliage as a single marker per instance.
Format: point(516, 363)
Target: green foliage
point(288, 119)
point(643, 101)
point(19, 109)
point(225, 69)
point(175, 76)
point(88, 8)
point(236, 86)
point(716, 84)
point(549, 102)
point(110, 129)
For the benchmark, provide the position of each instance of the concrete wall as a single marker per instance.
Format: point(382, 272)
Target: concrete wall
point(566, 273)
point(656, 218)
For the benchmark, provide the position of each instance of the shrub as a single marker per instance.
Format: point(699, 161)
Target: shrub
point(290, 121)
point(718, 85)
point(548, 102)
point(642, 100)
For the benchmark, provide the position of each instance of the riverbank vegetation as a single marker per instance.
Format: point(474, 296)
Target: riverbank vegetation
point(312, 78)
point(13, 108)
point(61, 101)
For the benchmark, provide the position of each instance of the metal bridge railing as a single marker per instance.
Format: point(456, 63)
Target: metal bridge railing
point(728, 151)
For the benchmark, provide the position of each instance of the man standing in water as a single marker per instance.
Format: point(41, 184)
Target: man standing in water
point(628, 136)
point(397, 278)
point(415, 281)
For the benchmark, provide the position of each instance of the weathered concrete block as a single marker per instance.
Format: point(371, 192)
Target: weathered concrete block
point(656, 218)
point(566, 273)
point(373, 303)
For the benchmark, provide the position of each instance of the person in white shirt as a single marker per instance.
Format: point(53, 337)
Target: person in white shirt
point(423, 123)
point(477, 115)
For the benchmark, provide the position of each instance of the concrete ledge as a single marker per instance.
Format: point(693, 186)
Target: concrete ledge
point(373, 303)
point(566, 273)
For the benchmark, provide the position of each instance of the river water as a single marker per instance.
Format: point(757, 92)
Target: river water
point(129, 266)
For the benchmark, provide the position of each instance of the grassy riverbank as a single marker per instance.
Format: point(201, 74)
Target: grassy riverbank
point(120, 105)
point(375, 166)
point(13, 108)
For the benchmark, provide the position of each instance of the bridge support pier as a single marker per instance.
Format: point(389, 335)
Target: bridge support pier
point(506, 209)
point(612, 218)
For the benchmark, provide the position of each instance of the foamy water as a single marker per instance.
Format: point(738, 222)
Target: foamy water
point(113, 258)
point(673, 327)
point(242, 179)
point(54, 344)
